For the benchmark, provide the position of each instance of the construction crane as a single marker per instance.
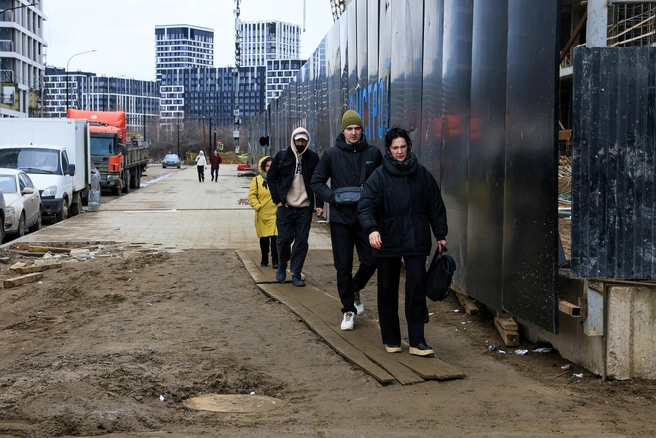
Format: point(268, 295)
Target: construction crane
point(338, 7)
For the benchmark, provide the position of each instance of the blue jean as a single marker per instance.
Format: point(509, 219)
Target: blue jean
point(215, 174)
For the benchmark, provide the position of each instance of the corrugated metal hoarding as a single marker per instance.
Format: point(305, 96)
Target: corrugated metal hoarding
point(614, 159)
point(475, 82)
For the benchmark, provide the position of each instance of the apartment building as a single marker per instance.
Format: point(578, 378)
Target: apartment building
point(181, 46)
point(88, 91)
point(275, 45)
point(194, 93)
point(21, 57)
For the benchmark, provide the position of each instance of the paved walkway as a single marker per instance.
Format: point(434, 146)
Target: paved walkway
point(176, 211)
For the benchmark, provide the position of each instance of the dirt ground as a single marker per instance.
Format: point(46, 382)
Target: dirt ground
point(114, 345)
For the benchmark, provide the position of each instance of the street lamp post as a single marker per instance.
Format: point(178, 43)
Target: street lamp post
point(178, 117)
point(69, 61)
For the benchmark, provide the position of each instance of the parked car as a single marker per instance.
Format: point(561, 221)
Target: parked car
point(171, 160)
point(22, 202)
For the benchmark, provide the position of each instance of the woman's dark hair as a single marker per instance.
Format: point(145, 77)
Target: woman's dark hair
point(397, 132)
point(264, 163)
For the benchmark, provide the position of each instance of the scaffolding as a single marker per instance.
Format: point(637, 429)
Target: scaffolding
point(631, 24)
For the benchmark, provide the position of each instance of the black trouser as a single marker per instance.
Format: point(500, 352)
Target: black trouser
point(201, 173)
point(293, 227)
point(265, 242)
point(215, 174)
point(343, 238)
point(389, 274)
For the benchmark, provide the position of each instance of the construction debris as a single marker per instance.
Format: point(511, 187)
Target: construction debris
point(23, 279)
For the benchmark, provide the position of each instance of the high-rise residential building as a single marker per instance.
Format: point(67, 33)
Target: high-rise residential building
point(275, 45)
point(279, 75)
point(87, 91)
point(194, 93)
point(21, 57)
point(262, 41)
point(192, 88)
point(182, 46)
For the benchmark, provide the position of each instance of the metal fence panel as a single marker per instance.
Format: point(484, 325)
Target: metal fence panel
point(487, 147)
point(477, 79)
point(614, 148)
point(530, 207)
point(456, 102)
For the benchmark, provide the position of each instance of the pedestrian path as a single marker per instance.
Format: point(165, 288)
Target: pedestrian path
point(362, 346)
point(178, 212)
point(175, 212)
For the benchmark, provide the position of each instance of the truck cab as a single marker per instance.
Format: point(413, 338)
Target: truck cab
point(108, 132)
point(107, 153)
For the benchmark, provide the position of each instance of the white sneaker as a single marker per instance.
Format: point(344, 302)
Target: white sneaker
point(348, 321)
point(358, 303)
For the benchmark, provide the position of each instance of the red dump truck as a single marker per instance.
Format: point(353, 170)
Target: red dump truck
point(120, 164)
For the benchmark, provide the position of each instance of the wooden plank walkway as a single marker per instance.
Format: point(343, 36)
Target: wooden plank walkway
point(363, 347)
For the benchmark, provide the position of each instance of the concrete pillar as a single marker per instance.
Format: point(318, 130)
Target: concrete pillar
point(597, 28)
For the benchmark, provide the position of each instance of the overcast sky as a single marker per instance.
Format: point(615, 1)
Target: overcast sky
point(123, 31)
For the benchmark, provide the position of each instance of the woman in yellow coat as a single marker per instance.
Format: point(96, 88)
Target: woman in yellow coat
point(259, 198)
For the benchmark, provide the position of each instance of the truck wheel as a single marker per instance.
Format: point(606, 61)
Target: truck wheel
point(63, 214)
point(116, 191)
point(137, 184)
point(126, 182)
point(76, 206)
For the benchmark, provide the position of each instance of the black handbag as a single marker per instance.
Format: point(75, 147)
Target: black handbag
point(439, 275)
point(350, 195)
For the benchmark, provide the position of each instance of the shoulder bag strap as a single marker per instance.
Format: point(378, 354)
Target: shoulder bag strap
point(364, 166)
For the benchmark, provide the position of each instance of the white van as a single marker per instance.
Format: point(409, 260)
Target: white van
point(55, 153)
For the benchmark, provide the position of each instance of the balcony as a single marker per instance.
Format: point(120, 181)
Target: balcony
point(8, 99)
point(6, 76)
point(6, 46)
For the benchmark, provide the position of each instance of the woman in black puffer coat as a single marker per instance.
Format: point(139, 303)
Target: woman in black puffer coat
point(400, 205)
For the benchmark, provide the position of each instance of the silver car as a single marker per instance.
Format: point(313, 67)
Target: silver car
point(22, 202)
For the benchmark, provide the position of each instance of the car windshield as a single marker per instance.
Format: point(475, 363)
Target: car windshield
point(8, 184)
point(31, 160)
point(171, 157)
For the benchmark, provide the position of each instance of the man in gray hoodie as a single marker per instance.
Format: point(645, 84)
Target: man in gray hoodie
point(289, 182)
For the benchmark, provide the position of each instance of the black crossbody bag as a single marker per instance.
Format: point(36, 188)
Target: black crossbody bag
point(351, 195)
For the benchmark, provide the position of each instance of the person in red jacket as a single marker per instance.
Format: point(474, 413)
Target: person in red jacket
point(215, 160)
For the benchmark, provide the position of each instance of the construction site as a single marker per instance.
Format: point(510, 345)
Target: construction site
point(153, 316)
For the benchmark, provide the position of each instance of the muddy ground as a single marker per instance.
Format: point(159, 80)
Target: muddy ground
point(114, 345)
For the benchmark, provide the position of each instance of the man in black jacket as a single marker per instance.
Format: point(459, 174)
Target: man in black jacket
point(289, 183)
point(348, 164)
